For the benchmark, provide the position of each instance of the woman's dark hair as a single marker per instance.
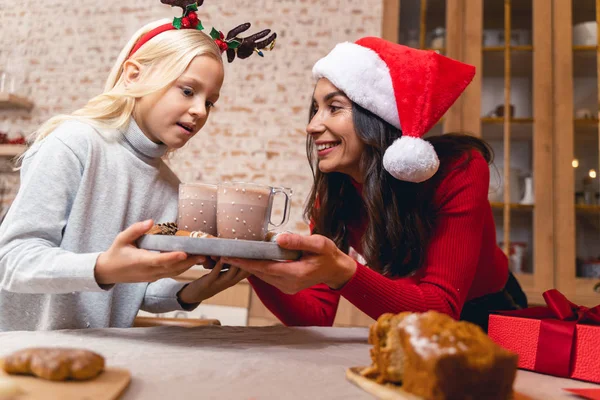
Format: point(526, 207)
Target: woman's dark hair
point(401, 215)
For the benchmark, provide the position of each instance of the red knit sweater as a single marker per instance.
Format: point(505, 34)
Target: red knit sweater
point(463, 262)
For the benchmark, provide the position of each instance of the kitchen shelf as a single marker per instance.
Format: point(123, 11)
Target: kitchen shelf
point(585, 48)
point(500, 120)
point(12, 150)
point(586, 122)
point(587, 209)
point(521, 129)
point(512, 48)
point(13, 101)
point(586, 129)
point(513, 206)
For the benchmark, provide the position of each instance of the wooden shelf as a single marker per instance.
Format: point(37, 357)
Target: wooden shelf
point(587, 209)
point(9, 100)
point(586, 122)
point(513, 206)
point(586, 129)
point(500, 120)
point(521, 129)
point(585, 48)
point(502, 48)
point(12, 150)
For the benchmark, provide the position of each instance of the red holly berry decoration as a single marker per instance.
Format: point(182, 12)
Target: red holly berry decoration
point(222, 45)
point(185, 22)
point(193, 18)
point(221, 36)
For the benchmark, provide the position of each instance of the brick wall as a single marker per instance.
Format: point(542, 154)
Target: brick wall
point(64, 49)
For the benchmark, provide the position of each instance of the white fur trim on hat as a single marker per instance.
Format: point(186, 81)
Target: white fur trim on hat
point(363, 76)
point(411, 159)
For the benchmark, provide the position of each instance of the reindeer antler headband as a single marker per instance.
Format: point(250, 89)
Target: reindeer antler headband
point(232, 44)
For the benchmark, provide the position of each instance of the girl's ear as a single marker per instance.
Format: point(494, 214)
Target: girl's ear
point(131, 72)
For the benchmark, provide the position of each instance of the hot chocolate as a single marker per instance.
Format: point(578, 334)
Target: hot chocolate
point(243, 211)
point(198, 207)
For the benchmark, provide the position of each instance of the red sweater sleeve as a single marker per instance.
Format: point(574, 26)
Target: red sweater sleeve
point(315, 306)
point(444, 281)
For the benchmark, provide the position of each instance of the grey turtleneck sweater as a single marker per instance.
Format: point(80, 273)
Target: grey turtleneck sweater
point(80, 187)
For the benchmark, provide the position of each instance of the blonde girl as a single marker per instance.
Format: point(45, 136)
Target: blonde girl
point(67, 245)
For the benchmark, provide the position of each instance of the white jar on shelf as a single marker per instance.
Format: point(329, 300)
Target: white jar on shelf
point(585, 34)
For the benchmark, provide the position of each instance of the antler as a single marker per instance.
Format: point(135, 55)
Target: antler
point(248, 44)
point(182, 3)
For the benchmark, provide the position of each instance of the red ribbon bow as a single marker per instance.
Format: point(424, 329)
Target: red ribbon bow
point(557, 330)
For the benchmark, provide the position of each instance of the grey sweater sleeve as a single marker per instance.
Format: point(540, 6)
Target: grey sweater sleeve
point(31, 259)
point(161, 296)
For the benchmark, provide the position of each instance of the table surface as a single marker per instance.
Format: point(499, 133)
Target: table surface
point(218, 362)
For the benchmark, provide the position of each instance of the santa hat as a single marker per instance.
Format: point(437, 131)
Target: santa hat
point(410, 89)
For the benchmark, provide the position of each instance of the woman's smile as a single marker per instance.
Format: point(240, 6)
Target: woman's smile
point(325, 148)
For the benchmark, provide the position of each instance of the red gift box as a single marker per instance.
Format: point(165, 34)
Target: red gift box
point(562, 339)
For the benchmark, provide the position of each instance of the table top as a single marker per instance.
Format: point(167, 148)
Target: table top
point(216, 362)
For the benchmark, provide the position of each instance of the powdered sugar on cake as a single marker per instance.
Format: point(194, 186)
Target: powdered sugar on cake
point(425, 346)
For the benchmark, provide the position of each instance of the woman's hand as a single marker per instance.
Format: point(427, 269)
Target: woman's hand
point(321, 262)
point(211, 284)
point(123, 262)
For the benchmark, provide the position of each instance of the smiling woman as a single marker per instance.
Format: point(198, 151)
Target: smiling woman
point(331, 131)
point(415, 209)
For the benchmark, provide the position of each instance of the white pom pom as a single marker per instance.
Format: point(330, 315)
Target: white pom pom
point(411, 159)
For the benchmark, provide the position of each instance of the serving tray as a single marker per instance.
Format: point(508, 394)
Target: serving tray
point(218, 247)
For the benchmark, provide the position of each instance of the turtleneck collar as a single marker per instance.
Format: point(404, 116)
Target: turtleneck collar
point(139, 143)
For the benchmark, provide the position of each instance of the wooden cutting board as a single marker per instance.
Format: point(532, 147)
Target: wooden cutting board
point(390, 391)
point(381, 391)
point(109, 385)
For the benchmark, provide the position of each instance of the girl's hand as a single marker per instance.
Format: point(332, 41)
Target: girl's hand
point(211, 284)
point(321, 262)
point(123, 262)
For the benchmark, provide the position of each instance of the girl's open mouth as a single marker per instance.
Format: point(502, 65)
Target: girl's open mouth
point(188, 127)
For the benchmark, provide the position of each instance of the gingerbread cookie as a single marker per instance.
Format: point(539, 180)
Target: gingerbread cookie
point(55, 364)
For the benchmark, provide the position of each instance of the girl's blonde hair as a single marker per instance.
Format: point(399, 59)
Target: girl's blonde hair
point(165, 57)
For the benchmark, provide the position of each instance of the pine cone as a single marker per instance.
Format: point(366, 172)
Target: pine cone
point(167, 228)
